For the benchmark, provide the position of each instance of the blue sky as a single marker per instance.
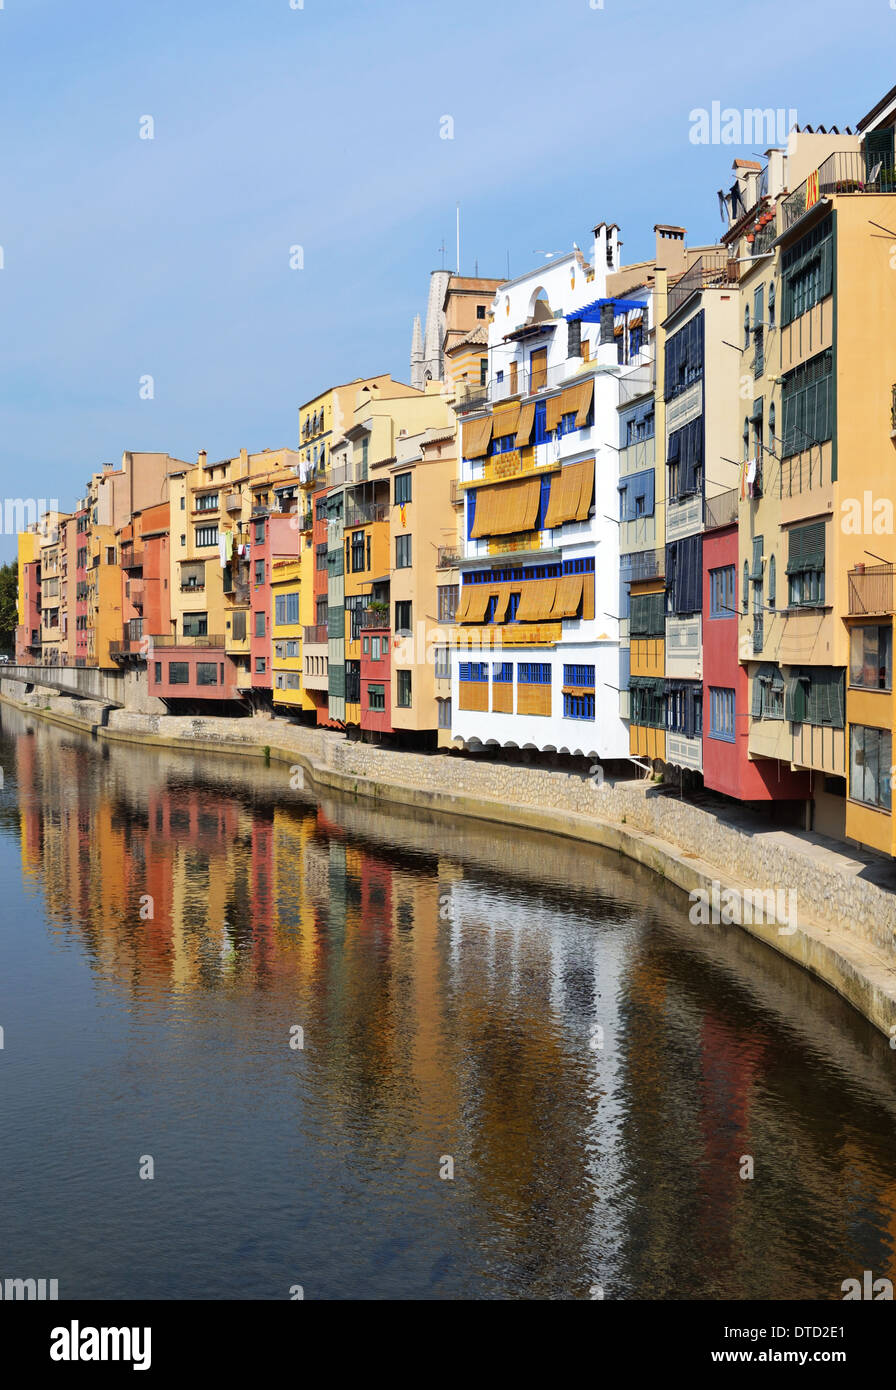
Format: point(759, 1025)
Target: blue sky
point(319, 127)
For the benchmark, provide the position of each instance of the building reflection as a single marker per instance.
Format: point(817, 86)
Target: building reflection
point(545, 1016)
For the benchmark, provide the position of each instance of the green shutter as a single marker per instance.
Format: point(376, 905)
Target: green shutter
point(805, 548)
point(757, 305)
point(826, 697)
point(796, 699)
point(756, 572)
point(756, 698)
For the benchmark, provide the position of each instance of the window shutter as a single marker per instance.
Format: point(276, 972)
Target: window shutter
point(757, 306)
point(805, 549)
point(756, 698)
point(756, 572)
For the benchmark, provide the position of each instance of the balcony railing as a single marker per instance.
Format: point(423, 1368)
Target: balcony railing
point(646, 564)
point(374, 617)
point(712, 271)
point(316, 633)
point(132, 557)
point(457, 492)
point(509, 385)
point(171, 640)
point(363, 513)
point(721, 510)
point(846, 171)
point(233, 502)
point(448, 557)
point(871, 589)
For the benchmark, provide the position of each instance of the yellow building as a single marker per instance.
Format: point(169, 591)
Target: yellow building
point(286, 630)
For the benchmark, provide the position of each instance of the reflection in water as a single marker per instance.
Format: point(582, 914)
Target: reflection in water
point(543, 1013)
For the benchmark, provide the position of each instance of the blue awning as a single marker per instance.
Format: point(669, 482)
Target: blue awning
point(590, 313)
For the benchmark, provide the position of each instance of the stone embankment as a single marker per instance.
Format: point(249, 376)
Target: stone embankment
point(825, 906)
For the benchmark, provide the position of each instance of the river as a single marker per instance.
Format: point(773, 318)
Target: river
point(257, 1042)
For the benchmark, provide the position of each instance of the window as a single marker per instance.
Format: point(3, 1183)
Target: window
point(286, 610)
point(357, 551)
point(771, 305)
point(321, 554)
point(403, 689)
point(260, 665)
point(578, 706)
point(805, 565)
point(767, 693)
point(541, 435)
point(721, 714)
point(502, 673)
point(721, 593)
point(374, 649)
point(816, 696)
point(870, 761)
point(403, 616)
point(807, 271)
point(259, 532)
point(444, 708)
point(259, 625)
point(402, 552)
point(684, 460)
point(871, 657)
point(207, 502)
point(442, 659)
point(746, 327)
point(385, 646)
point(183, 504)
point(259, 571)
point(158, 673)
point(402, 488)
point(195, 624)
point(365, 646)
point(178, 673)
point(205, 535)
point(483, 371)
point(376, 697)
point(745, 591)
point(684, 357)
point(534, 673)
point(206, 673)
point(320, 612)
point(473, 671)
point(448, 600)
point(647, 616)
point(758, 332)
point(808, 401)
point(480, 311)
point(647, 702)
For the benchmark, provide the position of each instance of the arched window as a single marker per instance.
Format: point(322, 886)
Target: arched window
point(771, 305)
point(771, 427)
point(747, 326)
point(745, 595)
point(746, 438)
point(771, 582)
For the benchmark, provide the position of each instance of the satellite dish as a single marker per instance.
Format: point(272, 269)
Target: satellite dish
point(875, 172)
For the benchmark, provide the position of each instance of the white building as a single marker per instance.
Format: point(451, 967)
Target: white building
point(536, 661)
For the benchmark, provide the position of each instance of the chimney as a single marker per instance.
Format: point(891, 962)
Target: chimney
point(670, 252)
point(203, 458)
point(776, 181)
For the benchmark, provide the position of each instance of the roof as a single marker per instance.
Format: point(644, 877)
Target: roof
point(477, 337)
point(878, 110)
point(747, 164)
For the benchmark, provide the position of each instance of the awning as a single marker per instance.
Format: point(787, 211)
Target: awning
point(503, 598)
point(553, 412)
point(536, 600)
point(476, 437)
point(506, 419)
point(473, 603)
point(578, 398)
point(571, 492)
point(569, 596)
point(505, 508)
point(526, 422)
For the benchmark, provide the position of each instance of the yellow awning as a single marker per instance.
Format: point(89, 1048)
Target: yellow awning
point(569, 596)
point(474, 611)
point(506, 419)
point(505, 508)
point(586, 493)
point(536, 600)
point(476, 437)
point(526, 422)
point(586, 396)
point(503, 596)
point(553, 412)
point(463, 607)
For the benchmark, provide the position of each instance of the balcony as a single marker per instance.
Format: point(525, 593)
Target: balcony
point(448, 557)
point(846, 171)
point(721, 510)
point(316, 634)
point(135, 592)
point(233, 502)
point(713, 271)
point(375, 617)
point(871, 590)
point(363, 513)
point(509, 385)
point(171, 640)
point(646, 564)
point(131, 557)
point(457, 492)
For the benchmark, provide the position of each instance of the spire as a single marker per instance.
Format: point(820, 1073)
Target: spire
point(417, 356)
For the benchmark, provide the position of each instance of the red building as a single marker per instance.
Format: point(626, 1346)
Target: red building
point(189, 670)
point(727, 766)
point(81, 522)
point(272, 537)
point(317, 634)
point(376, 663)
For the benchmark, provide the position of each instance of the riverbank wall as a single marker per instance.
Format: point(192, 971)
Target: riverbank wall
point(829, 909)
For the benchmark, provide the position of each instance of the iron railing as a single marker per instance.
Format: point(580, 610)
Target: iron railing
point(132, 557)
point(448, 557)
point(845, 171)
point(712, 271)
point(172, 640)
point(374, 617)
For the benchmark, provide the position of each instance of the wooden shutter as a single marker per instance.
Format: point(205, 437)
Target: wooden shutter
point(538, 369)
